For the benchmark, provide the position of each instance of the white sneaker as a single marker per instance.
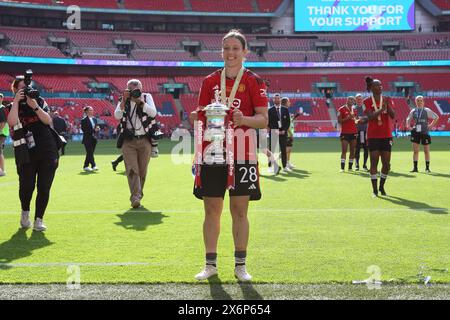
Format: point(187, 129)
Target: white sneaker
point(95, 168)
point(2, 173)
point(270, 170)
point(290, 165)
point(87, 169)
point(155, 152)
point(39, 225)
point(241, 274)
point(287, 169)
point(276, 168)
point(25, 220)
point(206, 273)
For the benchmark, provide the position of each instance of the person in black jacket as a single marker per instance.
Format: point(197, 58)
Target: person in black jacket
point(60, 125)
point(36, 154)
point(279, 122)
point(90, 129)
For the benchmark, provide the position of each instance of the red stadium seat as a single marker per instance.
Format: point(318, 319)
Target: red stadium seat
point(221, 6)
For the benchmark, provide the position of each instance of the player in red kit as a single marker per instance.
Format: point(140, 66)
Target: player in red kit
point(349, 133)
point(380, 113)
point(246, 96)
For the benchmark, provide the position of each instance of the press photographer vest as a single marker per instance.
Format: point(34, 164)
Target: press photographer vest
point(148, 122)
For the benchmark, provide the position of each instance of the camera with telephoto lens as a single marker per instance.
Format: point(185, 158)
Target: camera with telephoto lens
point(135, 93)
point(29, 91)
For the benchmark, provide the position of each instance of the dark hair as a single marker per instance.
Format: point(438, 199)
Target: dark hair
point(369, 81)
point(235, 33)
point(284, 100)
point(86, 108)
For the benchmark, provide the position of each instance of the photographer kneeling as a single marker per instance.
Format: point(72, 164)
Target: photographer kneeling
point(35, 148)
point(137, 112)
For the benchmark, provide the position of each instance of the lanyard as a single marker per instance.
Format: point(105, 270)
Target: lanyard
point(378, 107)
point(419, 115)
point(223, 87)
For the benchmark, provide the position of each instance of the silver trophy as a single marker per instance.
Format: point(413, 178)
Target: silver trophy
point(215, 130)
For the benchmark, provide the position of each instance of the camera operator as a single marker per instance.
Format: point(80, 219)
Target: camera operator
point(4, 133)
point(36, 153)
point(137, 112)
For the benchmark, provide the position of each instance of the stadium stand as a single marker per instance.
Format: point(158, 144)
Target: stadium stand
point(285, 44)
point(311, 56)
point(374, 55)
point(162, 55)
point(53, 83)
point(36, 51)
point(119, 83)
point(193, 82)
point(414, 55)
point(221, 6)
point(172, 5)
point(268, 5)
point(442, 4)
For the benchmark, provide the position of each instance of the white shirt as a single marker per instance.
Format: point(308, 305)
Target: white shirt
point(148, 108)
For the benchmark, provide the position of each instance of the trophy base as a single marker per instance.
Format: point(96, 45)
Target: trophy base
point(215, 160)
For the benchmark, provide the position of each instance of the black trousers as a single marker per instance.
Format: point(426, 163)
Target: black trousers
point(283, 148)
point(364, 146)
point(119, 159)
point(43, 171)
point(90, 149)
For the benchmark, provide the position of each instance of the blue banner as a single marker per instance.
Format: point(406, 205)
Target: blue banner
point(354, 15)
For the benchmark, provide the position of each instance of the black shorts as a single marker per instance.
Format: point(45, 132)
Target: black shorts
point(214, 181)
point(380, 144)
point(349, 136)
point(420, 138)
point(290, 142)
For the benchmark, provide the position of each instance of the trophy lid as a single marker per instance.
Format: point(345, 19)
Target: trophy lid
point(216, 105)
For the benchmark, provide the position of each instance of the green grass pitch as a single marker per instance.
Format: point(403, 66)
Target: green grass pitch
point(313, 226)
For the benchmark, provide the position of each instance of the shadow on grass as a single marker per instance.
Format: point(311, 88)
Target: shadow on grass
point(436, 174)
point(415, 205)
point(140, 219)
point(249, 291)
point(20, 246)
point(86, 173)
point(216, 289)
point(403, 175)
point(300, 174)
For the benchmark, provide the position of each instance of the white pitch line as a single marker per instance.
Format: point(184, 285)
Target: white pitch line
point(266, 210)
point(80, 264)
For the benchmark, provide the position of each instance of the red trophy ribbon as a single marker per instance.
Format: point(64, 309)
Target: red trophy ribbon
point(230, 150)
point(198, 126)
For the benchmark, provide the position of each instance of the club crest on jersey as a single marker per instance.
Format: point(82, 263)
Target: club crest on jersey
point(236, 102)
point(242, 88)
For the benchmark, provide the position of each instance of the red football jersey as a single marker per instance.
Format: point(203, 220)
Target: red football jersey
point(251, 94)
point(374, 129)
point(348, 126)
